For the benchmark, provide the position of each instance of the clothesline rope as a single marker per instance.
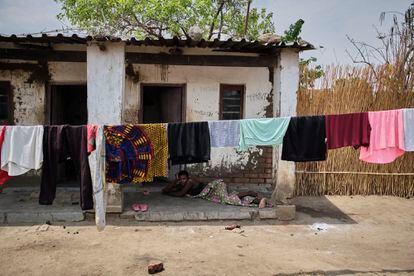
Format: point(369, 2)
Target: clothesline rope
point(363, 173)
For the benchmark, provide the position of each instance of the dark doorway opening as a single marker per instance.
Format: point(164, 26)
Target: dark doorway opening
point(68, 105)
point(162, 104)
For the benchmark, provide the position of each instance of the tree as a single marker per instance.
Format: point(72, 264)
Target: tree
point(309, 73)
point(166, 18)
point(396, 53)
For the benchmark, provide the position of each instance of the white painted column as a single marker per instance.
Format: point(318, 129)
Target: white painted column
point(106, 86)
point(106, 82)
point(285, 86)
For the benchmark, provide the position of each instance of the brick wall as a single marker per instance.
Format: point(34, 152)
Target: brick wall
point(259, 174)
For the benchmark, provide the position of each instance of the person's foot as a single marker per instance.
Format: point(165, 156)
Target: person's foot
point(262, 203)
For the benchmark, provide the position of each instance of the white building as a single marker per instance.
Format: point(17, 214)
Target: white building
point(73, 80)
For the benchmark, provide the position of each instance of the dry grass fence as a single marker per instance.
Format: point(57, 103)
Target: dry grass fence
point(345, 90)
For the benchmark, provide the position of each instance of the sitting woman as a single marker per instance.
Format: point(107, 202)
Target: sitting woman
point(215, 191)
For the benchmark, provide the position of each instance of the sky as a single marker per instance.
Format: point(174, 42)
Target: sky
point(327, 22)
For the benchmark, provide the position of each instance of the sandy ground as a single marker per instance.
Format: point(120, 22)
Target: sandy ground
point(361, 235)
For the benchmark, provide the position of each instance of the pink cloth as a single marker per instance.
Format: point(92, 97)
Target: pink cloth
point(386, 142)
point(91, 136)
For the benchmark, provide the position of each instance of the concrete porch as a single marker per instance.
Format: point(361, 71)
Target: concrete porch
point(19, 204)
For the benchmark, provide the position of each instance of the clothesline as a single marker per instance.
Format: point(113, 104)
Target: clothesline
point(137, 153)
point(360, 173)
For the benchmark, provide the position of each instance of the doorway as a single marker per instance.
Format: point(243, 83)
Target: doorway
point(162, 103)
point(68, 105)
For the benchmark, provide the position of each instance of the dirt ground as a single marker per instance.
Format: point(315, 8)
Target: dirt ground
point(331, 236)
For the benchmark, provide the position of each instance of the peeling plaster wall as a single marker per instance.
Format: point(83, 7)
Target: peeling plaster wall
point(202, 103)
point(68, 72)
point(28, 98)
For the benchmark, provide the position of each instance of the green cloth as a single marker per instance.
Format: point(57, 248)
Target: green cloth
point(262, 132)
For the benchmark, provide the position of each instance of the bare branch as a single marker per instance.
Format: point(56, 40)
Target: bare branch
point(215, 18)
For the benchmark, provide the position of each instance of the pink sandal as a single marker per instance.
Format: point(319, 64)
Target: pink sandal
point(139, 207)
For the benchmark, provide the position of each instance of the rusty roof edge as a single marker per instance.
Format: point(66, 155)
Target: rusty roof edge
point(229, 44)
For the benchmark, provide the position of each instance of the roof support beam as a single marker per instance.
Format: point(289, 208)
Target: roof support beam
point(144, 58)
point(43, 55)
point(201, 60)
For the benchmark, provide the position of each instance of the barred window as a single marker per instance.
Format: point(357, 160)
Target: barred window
point(231, 102)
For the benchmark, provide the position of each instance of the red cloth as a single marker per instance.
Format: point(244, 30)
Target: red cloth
point(91, 136)
point(346, 130)
point(4, 176)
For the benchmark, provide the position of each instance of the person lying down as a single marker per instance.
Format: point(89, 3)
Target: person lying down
point(215, 191)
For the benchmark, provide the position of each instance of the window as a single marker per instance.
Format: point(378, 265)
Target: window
point(231, 102)
point(5, 104)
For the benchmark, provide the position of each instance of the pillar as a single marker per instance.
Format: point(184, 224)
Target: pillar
point(285, 86)
point(106, 85)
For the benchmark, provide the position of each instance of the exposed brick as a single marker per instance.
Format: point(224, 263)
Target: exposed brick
point(251, 175)
point(265, 175)
point(269, 180)
point(240, 180)
point(268, 170)
point(268, 161)
point(256, 180)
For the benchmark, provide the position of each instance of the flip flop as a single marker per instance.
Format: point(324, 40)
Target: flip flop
point(145, 192)
point(136, 207)
point(143, 207)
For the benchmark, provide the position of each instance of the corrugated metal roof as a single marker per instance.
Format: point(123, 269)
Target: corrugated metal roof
point(222, 45)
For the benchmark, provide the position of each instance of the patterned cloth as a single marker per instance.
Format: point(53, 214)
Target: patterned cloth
point(158, 166)
point(128, 152)
point(216, 191)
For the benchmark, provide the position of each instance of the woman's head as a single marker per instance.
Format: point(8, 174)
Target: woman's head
point(183, 176)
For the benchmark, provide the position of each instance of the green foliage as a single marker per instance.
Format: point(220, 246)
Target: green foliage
point(292, 34)
point(157, 18)
point(309, 72)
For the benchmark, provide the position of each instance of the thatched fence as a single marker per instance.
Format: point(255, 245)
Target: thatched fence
point(345, 90)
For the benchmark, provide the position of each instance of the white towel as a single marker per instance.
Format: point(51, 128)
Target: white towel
point(224, 133)
point(97, 165)
point(22, 149)
point(408, 115)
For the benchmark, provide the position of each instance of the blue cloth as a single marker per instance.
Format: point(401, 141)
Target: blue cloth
point(224, 133)
point(262, 132)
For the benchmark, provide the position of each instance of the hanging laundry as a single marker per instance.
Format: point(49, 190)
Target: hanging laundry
point(91, 135)
point(408, 116)
point(22, 149)
point(386, 142)
point(346, 130)
point(4, 176)
point(305, 139)
point(225, 133)
point(97, 166)
point(59, 144)
point(189, 142)
point(158, 165)
point(262, 132)
point(128, 152)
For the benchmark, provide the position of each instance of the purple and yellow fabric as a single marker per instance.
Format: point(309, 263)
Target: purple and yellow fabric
point(128, 152)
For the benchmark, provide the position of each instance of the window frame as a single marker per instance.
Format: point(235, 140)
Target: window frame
point(9, 91)
point(223, 87)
